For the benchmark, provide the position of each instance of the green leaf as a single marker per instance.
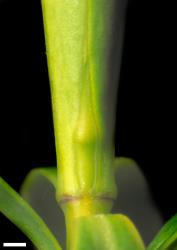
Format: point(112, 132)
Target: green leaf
point(23, 216)
point(106, 232)
point(39, 189)
point(49, 173)
point(166, 239)
point(122, 162)
point(134, 198)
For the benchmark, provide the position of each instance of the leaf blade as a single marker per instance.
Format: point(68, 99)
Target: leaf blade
point(23, 216)
point(39, 190)
point(166, 239)
point(50, 173)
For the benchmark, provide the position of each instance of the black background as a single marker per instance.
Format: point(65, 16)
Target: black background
point(146, 112)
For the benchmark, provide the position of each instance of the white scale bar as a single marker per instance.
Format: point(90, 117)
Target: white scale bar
point(14, 244)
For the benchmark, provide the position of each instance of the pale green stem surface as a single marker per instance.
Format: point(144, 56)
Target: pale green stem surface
point(83, 45)
point(83, 60)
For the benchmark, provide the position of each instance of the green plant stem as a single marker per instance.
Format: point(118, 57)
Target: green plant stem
point(83, 56)
point(75, 208)
point(83, 45)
